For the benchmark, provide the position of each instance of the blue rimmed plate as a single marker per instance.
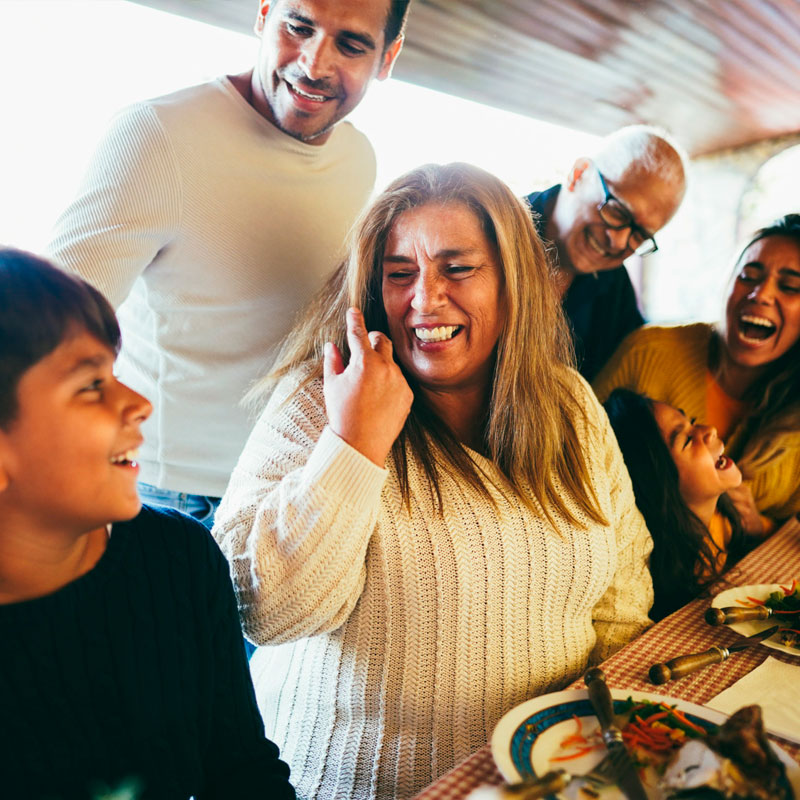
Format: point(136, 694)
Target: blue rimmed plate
point(529, 736)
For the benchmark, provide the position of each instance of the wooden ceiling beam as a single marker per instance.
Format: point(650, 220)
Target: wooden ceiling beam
point(718, 73)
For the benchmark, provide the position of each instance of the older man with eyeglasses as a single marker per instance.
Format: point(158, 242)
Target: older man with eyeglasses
point(610, 207)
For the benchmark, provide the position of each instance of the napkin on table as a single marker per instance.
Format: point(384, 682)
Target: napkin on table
point(775, 686)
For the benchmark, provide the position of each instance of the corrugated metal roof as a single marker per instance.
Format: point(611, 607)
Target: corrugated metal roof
point(719, 73)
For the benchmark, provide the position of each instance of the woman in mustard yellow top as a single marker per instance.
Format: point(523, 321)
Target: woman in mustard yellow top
point(680, 479)
point(743, 378)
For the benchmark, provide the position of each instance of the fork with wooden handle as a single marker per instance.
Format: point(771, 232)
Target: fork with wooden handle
point(734, 614)
point(550, 783)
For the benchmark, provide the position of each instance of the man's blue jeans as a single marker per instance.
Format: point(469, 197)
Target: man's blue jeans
point(199, 506)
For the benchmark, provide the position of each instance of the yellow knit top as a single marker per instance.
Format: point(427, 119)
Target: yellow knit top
point(670, 364)
point(719, 531)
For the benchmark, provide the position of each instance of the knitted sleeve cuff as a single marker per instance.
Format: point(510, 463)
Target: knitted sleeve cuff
point(341, 470)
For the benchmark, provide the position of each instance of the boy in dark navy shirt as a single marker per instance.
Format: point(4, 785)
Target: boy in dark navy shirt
point(123, 665)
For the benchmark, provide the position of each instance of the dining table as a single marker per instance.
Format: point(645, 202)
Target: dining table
point(775, 560)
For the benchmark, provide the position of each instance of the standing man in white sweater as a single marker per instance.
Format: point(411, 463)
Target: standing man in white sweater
point(211, 215)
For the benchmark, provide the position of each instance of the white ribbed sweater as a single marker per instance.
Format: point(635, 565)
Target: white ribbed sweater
point(218, 228)
point(399, 640)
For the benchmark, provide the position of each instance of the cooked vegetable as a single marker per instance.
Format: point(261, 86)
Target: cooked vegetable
point(699, 761)
point(785, 605)
point(577, 745)
point(654, 730)
point(786, 602)
point(734, 763)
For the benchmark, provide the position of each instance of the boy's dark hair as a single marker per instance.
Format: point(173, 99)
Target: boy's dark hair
point(680, 539)
point(40, 307)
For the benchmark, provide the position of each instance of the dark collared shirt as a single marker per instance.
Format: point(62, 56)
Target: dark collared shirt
point(601, 307)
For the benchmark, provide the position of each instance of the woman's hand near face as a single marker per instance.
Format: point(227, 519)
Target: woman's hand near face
point(367, 401)
point(745, 504)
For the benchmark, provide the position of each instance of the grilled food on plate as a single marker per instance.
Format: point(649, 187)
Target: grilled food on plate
point(735, 762)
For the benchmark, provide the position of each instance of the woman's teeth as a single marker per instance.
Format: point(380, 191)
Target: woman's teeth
point(755, 329)
point(440, 334)
point(723, 462)
point(128, 457)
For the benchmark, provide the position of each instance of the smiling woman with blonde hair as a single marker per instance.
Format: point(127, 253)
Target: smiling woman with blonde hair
point(533, 404)
point(431, 520)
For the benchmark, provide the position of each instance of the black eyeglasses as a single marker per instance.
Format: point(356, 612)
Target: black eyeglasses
point(617, 217)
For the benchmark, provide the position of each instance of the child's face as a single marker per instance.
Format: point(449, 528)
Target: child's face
point(703, 471)
point(67, 461)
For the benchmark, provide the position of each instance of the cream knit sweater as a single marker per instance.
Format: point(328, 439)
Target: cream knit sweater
point(398, 640)
point(211, 229)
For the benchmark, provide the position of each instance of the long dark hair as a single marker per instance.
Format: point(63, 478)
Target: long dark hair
point(775, 397)
point(681, 542)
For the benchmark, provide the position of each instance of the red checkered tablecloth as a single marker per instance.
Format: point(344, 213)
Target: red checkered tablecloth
point(775, 561)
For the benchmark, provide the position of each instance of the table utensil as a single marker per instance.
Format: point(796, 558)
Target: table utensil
point(536, 788)
point(682, 665)
point(732, 614)
point(736, 597)
point(625, 774)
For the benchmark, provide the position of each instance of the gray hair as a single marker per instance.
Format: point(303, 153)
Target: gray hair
point(645, 148)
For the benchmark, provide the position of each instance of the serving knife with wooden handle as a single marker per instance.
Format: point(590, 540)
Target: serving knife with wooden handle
point(733, 614)
point(683, 665)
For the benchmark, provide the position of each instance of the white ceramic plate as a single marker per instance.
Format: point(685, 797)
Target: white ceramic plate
point(528, 736)
point(738, 596)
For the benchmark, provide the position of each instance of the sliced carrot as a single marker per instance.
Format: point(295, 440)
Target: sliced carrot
point(633, 739)
point(644, 722)
point(577, 737)
point(657, 738)
point(755, 600)
point(647, 733)
point(656, 744)
point(636, 740)
point(577, 754)
point(688, 722)
point(659, 715)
